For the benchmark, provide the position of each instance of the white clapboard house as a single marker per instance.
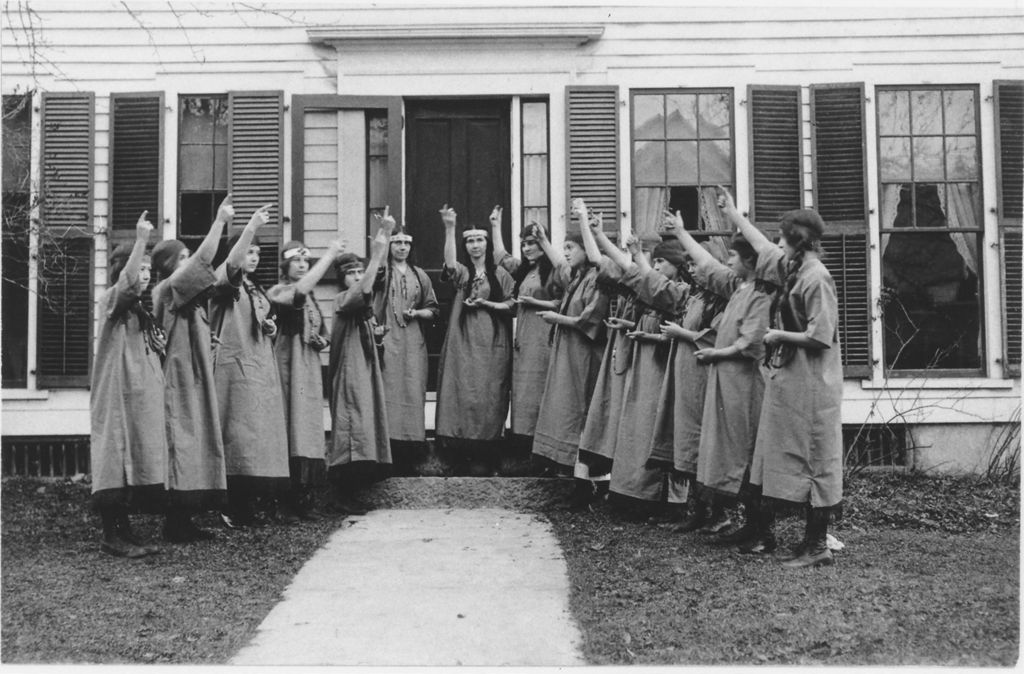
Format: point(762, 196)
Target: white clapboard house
point(902, 126)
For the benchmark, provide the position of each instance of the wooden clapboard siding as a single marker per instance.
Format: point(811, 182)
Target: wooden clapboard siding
point(776, 170)
point(592, 150)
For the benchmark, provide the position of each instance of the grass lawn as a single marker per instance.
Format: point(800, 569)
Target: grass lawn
point(929, 576)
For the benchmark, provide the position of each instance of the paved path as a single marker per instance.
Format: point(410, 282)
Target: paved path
point(426, 587)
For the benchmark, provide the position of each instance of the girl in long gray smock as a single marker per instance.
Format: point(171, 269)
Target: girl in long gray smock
point(128, 443)
point(798, 458)
point(248, 384)
point(301, 336)
point(359, 420)
point(732, 403)
point(475, 369)
point(404, 305)
point(195, 461)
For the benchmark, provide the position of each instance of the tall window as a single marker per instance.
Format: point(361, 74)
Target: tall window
point(931, 225)
point(682, 148)
point(377, 162)
point(202, 164)
point(17, 134)
point(535, 162)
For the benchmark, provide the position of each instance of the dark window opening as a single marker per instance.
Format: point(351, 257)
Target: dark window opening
point(202, 166)
point(17, 138)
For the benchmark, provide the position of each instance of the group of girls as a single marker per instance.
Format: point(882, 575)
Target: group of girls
point(214, 401)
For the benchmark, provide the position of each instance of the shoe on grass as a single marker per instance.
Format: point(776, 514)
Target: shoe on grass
point(759, 545)
point(811, 558)
point(120, 548)
point(715, 526)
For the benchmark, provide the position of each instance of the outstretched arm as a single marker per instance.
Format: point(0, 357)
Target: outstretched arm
point(378, 249)
point(499, 245)
point(621, 258)
point(143, 228)
point(236, 258)
point(751, 233)
point(674, 226)
point(588, 229)
point(208, 248)
point(306, 284)
point(448, 216)
point(545, 245)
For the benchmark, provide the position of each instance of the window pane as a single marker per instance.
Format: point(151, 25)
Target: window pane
point(893, 112)
point(538, 215)
point(928, 159)
point(220, 120)
point(535, 128)
point(649, 162)
point(196, 162)
point(894, 158)
point(896, 205)
point(959, 112)
point(926, 107)
point(715, 162)
point(648, 119)
point(535, 180)
point(220, 166)
point(378, 182)
point(681, 111)
point(197, 116)
point(378, 135)
point(715, 110)
point(930, 301)
point(17, 128)
point(961, 158)
point(682, 162)
point(927, 206)
point(649, 205)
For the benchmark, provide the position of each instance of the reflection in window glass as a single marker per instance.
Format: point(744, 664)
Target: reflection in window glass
point(377, 163)
point(648, 121)
point(926, 112)
point(959, 113)
point(202, 163)
point(535, 173)
point(893, 113)
point(17, 138)
point(681, 121)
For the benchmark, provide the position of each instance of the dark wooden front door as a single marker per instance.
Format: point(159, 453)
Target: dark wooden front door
point(458, 153)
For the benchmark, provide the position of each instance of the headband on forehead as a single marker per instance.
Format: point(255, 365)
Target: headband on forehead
point(293, 252)
point(474, 232)
point(397, 238)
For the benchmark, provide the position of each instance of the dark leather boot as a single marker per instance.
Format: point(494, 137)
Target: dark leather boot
point(816, 552)
point(583, 494)
point(763, 541)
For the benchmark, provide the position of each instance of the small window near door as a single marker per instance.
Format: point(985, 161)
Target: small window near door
point(202, 164)
point(536, 172)
point(682, 148)
point(377, 164)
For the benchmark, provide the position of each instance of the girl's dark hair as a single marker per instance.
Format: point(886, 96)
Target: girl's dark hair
point(544, 265)
point(117, 261)
point(743, 248)
point(490, 271)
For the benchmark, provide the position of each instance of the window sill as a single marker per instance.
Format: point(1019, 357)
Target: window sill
point(957, 383)
point(23, 394)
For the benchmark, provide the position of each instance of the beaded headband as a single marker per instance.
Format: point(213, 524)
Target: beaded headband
point(474, 232)
point(397, 238)
point(293, 252)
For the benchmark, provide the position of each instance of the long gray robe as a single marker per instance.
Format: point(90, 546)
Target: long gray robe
point(128, 441)
point(799, 452)
point(475, 370)
point(195, 446)
point(572, 371)
point(732, 403)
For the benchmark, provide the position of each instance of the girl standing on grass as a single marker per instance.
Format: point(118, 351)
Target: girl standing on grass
point(732, 403)
point(536, 291)
point(248, 384)
point(404, 305)
point(127, 439)
point(195, 446)
point(301, 337)
point(359, 420)
point(798, 458)
point(474, 373)
point(577, 334)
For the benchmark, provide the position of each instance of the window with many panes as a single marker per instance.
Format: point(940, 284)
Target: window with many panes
point(931, 227)
point(682, 148)
point(534, 149)
point(202, 164)
point(17, 134)
point(377, 163)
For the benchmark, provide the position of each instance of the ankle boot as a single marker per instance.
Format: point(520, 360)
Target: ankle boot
point(124, 531)
point(763, 541)
point(749, 528)
point(717, 522)
point(583, 494)
point(696, 513)
point(816, 552)
point(112, 543)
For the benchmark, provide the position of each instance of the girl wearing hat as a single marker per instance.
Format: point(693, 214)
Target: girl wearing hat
point(127, 440)
point(195, 464)
point(359, 420)
point(301, 336)
point(577, 339)
point(798, 459)
point(535, 290)
point(474, 373)
point(248, 384)
point(404, 305)
point(732, 403)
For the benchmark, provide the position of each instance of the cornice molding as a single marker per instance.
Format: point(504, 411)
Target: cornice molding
point(570, 34)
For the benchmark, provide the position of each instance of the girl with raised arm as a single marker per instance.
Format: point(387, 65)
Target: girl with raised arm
point(248, 384)
point(536, 289)
point(732, 403)
point(577, 340)
point(798, 458)
point(301, 336)
point(474, 373)
point(404, 305)
point(195, 446)
point(359, 428)
point(128, 442)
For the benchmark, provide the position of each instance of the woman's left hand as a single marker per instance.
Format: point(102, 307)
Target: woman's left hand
point(773, 337)
point(706, 355)
point(549, 316)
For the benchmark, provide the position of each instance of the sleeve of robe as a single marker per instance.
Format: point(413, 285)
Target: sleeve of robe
point(771, 266)
point(228, 280)
point(507, 262)
point(595, 307)
point(192, 279)
point(350, 300)
point(457, 276)
point(753, 325)
point(717, 278)
point(286, 296)
point(428, 299)
point(706, 337)
point(508, 284)
point(608, 271)
point(657, 290)
point(822, 307)
point(121, 295)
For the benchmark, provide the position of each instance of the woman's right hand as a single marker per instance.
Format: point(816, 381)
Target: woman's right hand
point(448, 216)
point(495, 217)
point(226, 210)
point(725, 200)
point(619, 323)
point(672, 329)
point(143, 228)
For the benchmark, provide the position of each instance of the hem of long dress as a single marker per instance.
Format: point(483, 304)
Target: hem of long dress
point(688, 475)
point(597, 463)
point(621, 494)
point(147, 498)
point(562, 453)
point(783, 507)
point(456, 440)
point(307, 471)
point(197, 499)
point(659, 464)
point(258, 485)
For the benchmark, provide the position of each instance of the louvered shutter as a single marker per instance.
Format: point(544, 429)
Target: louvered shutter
point(1009, 107)
point(256, 168)
point(837, 139)
point(593, 150)
point(66, 246)
point(775, 152)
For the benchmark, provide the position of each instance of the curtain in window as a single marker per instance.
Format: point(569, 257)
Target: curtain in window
point(890, 204)
point(651, 203)
point(714, 222)
point(960, 212)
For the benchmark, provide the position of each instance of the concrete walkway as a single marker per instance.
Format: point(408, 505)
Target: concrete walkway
point(426, 587)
